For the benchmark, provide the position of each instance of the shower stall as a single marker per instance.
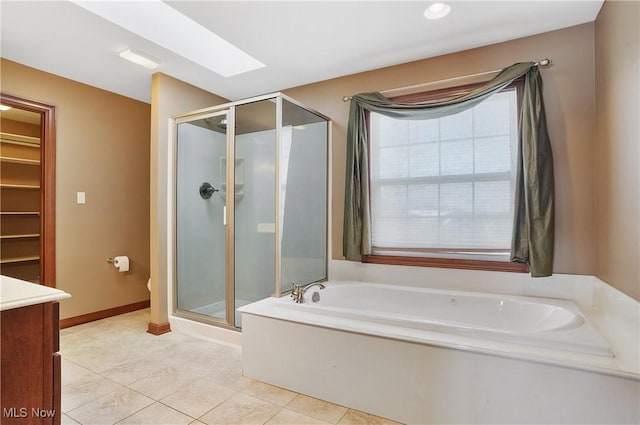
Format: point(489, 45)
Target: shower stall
point(250, 205)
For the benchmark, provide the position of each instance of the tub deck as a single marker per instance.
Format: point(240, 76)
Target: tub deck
point(556, 325)
point(579, 346)
point(443, 373)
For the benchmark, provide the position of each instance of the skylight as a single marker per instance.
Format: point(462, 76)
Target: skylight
point(165, 26)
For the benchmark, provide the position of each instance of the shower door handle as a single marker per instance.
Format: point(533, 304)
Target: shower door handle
point(224, 215)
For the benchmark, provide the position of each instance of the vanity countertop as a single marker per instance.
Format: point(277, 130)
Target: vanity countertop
point(16, 293)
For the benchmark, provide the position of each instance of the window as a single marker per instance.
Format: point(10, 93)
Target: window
point(444, 188)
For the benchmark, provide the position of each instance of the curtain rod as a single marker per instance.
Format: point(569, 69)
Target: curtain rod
point(543, 62)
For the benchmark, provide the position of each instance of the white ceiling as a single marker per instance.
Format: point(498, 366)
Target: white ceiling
point(300, 42)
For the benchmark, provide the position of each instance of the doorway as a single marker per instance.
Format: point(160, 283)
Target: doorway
point(27, 185)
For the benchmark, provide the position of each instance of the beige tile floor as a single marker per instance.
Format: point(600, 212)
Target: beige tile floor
point(113, 372)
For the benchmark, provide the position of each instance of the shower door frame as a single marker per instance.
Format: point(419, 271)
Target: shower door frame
point(228, 217)
point(229, 109)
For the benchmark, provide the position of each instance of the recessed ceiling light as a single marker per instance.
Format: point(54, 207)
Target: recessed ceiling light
point(151, 19)
point(4, 107)
point(138, 59)
point(437, 11)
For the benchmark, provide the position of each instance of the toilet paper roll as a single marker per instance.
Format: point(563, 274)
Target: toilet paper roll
point(121, 262)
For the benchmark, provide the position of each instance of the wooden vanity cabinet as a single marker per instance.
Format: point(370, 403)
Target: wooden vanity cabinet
point(31, 366)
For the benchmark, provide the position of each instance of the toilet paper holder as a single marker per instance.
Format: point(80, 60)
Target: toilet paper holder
point(121, 262)
point(111, 260)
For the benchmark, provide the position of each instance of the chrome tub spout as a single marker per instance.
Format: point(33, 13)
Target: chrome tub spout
point(299, 290)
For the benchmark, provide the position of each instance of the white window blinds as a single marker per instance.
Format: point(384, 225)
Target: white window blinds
point(445, 184)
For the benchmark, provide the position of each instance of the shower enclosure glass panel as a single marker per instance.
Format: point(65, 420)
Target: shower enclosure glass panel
point(200, 205)
point(303, 196)
point(251, 191)
point(255, 211)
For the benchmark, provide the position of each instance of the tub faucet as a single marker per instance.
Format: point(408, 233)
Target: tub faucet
point(298, 291)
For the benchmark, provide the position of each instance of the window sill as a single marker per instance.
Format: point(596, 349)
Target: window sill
point(447, 263)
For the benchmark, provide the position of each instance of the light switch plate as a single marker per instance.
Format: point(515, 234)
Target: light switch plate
point(80, 198)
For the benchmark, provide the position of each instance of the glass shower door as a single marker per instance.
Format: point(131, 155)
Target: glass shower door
point(251, 183)
point(201, 255)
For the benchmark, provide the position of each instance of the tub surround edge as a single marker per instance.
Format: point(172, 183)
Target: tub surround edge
point(421, 383)
point(613, 313)
point(620, 365)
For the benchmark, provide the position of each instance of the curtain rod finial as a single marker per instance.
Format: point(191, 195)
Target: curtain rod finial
point(346, 98)
point(545, 62)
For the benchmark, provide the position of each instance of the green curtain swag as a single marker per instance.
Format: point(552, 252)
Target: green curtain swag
point(533, 233)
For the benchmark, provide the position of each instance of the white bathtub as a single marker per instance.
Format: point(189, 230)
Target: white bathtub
point(532, 321)
point(423, 355)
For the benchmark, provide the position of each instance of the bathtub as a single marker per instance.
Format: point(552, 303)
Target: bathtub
point(427, 355)
point(532, 321)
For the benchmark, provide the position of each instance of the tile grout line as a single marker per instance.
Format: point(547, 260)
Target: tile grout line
point(111, 392)
point(316, 417)
point(343, 415)
point(274, 414)
point(180, 411)
point(159, 402)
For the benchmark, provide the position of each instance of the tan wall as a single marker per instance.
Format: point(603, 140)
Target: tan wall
point(617, 206)
point(103, 150)
point(169, 97)
point(570, 105)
